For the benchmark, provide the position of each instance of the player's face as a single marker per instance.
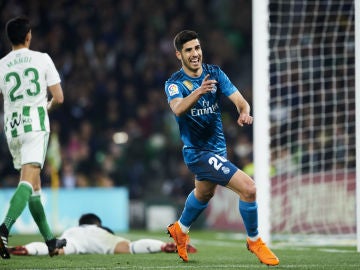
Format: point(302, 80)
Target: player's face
point(191, 57)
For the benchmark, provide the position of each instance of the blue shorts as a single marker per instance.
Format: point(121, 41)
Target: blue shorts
point(212, 167)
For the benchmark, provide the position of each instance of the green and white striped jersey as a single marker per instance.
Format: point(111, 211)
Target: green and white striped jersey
point(24, 78)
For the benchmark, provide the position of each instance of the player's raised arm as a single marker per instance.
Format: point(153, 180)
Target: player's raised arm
point(181, 105)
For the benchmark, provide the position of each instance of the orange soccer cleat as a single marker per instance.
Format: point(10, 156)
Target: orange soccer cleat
point(181, 239)
point(264, 254)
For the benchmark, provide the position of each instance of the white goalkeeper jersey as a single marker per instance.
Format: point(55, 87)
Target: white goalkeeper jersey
point(24, 77)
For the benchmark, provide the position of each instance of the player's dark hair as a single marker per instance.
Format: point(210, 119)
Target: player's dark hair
point(184, 36)
point(17, 29)
point(89, 219)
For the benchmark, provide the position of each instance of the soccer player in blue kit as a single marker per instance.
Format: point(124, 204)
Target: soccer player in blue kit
point(193, 94)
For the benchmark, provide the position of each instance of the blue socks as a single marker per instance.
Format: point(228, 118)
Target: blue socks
point(248, 211)
point(249, 214)
point(193, 208)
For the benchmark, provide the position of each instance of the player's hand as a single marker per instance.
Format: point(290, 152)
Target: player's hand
point(244, 119)
point(207, 85)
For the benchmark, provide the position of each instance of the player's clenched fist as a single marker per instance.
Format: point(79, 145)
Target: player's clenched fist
point(244, 119)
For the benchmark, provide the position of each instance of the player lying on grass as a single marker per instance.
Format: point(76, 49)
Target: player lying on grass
point(90, 237)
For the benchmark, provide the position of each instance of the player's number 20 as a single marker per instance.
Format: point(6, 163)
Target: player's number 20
point(217, 161)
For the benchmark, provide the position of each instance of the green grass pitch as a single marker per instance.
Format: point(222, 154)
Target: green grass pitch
point(216, 250)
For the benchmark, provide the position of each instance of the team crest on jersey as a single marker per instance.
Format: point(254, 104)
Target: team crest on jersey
point(225, 170)
point(213, 91)
point(188, 85)
point(173, 89)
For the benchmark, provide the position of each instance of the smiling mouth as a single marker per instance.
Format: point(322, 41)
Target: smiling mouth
point(195, 61)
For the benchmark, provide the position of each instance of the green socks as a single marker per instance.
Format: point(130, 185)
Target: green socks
point(38, 213)
point(18, 203)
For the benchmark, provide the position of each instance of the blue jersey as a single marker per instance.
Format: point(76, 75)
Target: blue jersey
point(201, 127)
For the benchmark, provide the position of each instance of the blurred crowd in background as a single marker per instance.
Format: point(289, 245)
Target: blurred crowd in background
point(115, 127)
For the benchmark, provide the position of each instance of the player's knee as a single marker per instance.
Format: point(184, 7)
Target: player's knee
point(249, 193)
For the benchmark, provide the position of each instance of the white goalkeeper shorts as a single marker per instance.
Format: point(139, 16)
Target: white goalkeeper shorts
point(90, 239)
point(29, 148)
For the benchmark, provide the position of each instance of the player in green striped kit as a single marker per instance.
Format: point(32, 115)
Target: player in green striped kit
point(25, 78)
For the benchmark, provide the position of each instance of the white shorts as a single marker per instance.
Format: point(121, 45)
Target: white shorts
point(90, 239)
point(29, 148)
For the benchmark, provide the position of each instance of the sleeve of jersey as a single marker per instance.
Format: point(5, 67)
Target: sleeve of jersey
point(226, 86)
point(52, 75)
point(172, 91)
